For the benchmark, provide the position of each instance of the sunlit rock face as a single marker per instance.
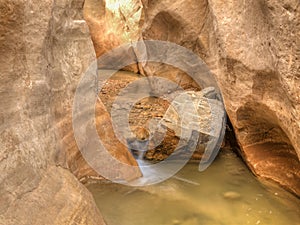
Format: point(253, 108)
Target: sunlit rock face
point(113, 22)
point(252, 48)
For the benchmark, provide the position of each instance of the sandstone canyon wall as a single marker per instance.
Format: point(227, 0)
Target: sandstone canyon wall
point(253, 49)
point(260, 80)
point(45, 47)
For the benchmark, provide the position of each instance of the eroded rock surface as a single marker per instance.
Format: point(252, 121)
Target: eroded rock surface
point(45, 47)
point(253, 49)
point(259, 78)
point(58, 199)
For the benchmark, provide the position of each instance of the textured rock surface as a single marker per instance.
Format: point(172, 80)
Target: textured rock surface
point(253, 48)
point(260, 80)
point(45, 47)
point(58, 199)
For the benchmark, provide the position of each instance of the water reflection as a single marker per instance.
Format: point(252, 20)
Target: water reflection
point(226, 193)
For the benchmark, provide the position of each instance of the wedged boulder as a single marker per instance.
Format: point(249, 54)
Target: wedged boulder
point(195, 120)
point(187, 120)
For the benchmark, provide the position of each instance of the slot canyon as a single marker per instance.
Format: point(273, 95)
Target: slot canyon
point(241, 124)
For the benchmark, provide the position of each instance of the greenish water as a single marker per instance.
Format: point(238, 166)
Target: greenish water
point(225, 194)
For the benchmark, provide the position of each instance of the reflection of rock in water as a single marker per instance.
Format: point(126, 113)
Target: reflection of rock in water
point(215, 201)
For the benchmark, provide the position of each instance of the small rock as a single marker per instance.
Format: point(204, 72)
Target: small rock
point(231, 195)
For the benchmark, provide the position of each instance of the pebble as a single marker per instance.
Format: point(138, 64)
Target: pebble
point(231, 195)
